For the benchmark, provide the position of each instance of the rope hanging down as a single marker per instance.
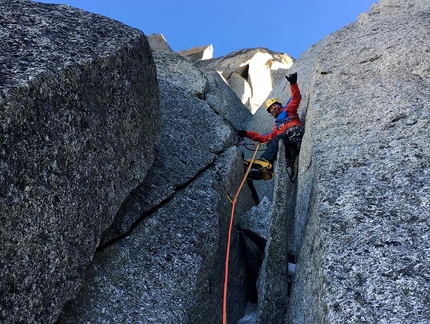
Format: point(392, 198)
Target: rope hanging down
point(224, 306)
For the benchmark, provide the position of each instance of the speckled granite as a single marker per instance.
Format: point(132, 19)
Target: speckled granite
point(272, 284)
point(182, 152)
point(78, 122)
point(363, 187)
point(170, 268)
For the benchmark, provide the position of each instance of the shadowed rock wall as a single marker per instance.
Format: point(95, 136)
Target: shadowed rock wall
point(170, 268)
point(163, 259)
point(78, 122)
point(193, 134)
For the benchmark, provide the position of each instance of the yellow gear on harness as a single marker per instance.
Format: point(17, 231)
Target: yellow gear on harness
point(260, 169)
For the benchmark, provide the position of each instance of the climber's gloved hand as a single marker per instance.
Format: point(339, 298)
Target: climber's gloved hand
point(241, 133)
point(292, 78)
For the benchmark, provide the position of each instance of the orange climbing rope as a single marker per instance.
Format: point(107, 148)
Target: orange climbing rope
point(224, 306)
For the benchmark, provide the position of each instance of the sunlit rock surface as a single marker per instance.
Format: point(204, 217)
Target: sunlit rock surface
point(363, 187)
point(359, 226)
point(198, 53)
point(251, 73)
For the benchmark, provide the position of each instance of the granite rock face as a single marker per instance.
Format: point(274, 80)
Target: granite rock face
point(363, 187)
point(194, 132)
point(163, 257)
point(358, 218)
point(78, 122)
point(158, 43)
point(356, 222)
point(272, 282)
point(170, 268)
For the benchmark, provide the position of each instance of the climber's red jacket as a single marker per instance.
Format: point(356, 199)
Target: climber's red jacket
point(286, 119)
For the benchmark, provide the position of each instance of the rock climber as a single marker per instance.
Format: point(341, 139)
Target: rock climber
point(287, 128)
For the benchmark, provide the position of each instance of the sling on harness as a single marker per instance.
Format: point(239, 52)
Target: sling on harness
point(260, 169)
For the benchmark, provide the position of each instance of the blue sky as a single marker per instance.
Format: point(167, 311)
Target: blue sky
point(284, 26)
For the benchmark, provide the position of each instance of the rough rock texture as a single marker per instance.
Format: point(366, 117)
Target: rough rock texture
point(169, 269)
point(184, 114)
point(357, 221)
point(257, 219)
point(251, 73)
point(158, 43)
point(272, 284)
point(225, 102)
point(267, 229)
point(363, 187)
point(255, 231)
point(166, 262)
point(78, 121)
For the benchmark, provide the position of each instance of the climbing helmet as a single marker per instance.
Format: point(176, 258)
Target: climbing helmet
point(270, 102)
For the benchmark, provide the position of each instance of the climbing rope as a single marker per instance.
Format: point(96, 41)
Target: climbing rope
point(224, 306)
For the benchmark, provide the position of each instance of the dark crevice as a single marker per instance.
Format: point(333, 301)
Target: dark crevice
point(243, 71)
point(254, 192)
point(156, 207)
point(253, 261)
point(372, 59)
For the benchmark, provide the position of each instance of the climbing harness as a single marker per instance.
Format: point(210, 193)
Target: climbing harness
point(295, 135)
point(260, 169)
point(224, 306)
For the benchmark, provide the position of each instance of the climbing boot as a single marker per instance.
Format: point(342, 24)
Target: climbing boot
point(260, 169)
